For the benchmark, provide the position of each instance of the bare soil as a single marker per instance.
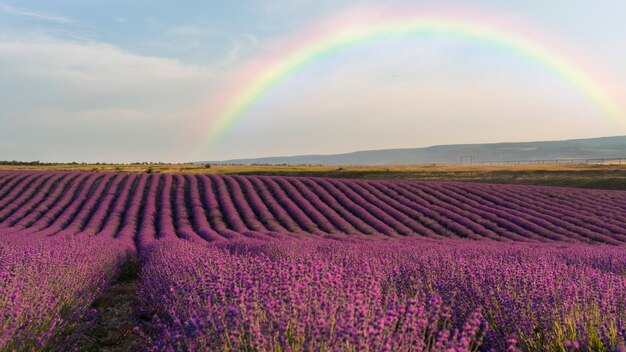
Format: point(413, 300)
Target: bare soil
point(112, 328)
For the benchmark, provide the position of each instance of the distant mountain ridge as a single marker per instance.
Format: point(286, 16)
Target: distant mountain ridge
point(589, 148)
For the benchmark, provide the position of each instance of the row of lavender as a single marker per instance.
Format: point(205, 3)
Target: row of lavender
point(325, 295)
point(204, 208)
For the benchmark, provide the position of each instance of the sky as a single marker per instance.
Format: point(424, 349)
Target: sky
point(125, 81)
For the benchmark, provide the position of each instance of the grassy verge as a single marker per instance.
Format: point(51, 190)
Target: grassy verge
point(576, 175)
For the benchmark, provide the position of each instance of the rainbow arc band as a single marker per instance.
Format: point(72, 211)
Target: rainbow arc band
point(241, 97)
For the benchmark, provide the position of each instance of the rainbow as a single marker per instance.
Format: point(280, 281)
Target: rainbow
point(258, 78)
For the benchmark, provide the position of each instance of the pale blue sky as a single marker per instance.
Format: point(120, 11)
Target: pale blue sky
point(123, 81)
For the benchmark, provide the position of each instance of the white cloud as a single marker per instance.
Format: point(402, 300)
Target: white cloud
point(240, 47)
point(92, 94)
point(22, 12)
point(90, 61)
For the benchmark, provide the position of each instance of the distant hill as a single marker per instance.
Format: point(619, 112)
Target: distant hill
point(590, 148)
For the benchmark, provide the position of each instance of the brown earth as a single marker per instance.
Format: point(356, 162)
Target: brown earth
point(116, 316)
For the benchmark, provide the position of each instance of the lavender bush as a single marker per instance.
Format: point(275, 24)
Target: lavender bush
point(301, 264)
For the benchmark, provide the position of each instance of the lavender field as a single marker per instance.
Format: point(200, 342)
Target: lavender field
point(270, 263)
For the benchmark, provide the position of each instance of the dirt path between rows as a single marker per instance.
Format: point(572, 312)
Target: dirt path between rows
point(112, 328)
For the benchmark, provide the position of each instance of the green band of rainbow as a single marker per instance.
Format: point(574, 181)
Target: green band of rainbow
point(243, 96)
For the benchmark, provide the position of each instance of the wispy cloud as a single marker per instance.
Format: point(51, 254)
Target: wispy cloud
point(23, 12)
point(119, 19)
point(240, 46)
point(229, 48)
point(188, 30)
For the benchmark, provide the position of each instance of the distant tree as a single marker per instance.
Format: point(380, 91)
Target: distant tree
point(207, 165)
point(149, 171)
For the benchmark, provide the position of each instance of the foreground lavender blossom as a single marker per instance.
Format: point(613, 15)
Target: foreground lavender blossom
point(291, 296)
point(370, 296)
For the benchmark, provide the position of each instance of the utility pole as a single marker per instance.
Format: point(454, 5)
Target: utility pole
point(463, 157)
